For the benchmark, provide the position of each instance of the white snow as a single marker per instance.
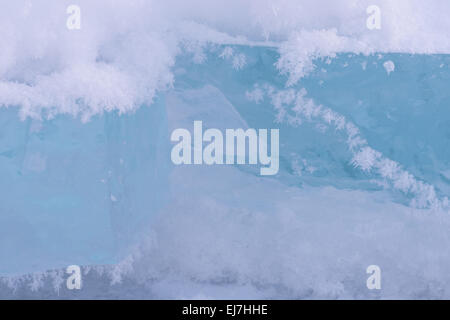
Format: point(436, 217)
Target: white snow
point(123, 53)
point(389, 66)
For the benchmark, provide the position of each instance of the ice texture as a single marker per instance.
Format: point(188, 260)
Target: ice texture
point(86, 176)
point(76, 193)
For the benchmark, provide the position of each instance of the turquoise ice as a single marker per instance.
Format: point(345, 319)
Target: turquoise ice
point(76, 193)
point(401, 114)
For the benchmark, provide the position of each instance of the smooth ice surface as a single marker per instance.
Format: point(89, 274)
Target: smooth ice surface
point(75, 193)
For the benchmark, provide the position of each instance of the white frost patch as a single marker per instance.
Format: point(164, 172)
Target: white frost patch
point(366, 158)
point(256, 95)
point(389, 66)
point(239, 61)
point(226, 53)
point(293, 106)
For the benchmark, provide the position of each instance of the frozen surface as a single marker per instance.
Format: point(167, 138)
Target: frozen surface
point(86, 176)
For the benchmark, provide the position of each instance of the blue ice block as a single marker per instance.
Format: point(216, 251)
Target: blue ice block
point(78, 193)
point(403, 114)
